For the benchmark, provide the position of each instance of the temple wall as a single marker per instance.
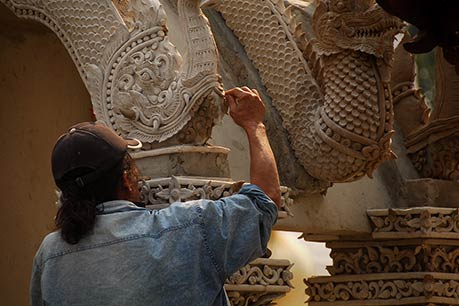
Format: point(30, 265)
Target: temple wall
point(41, 94)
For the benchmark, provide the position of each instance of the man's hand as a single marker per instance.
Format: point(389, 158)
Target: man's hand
point(248, 111)
point(246, 107)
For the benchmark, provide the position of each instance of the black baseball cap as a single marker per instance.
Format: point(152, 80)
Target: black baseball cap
point(91, 147)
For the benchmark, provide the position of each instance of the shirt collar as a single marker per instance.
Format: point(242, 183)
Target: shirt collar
point(116, 206)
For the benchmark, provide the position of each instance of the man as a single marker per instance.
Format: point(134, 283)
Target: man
point(108, 251)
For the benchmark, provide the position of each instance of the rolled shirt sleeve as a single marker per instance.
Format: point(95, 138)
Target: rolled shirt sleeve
point(237, 228)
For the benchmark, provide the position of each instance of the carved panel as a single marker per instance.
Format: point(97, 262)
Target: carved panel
point(415, 222)
point(397, 257)
point(160, 193)
point(134, 75)
point(403, 263)
point(259, 282)
point(385, 289)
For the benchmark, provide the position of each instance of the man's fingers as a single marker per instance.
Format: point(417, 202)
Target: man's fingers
point(256, 92)
point(237, 93)
point(231, 101)
point(246, 89)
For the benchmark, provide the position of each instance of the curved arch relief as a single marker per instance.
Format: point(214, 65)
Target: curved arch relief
point(138, 82)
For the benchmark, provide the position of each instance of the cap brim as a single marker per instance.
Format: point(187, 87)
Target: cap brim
point(133, 143)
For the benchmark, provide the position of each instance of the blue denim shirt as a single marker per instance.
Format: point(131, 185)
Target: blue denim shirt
point(180, 255)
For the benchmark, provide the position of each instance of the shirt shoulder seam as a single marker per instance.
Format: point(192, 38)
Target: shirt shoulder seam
point(206, 244)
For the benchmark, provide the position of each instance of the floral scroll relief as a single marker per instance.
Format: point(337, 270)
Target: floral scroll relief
point(259, 282)
point(424, 220)
point(259, 273)
point(375, 260)
point(388, 289)
point(161, 193)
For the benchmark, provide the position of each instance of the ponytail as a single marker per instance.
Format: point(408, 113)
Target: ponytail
point(76, 215)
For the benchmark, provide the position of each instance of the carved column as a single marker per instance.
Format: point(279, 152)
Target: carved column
point(412, 258)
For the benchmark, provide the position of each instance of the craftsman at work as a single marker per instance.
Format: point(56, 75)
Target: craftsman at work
point(108, 251)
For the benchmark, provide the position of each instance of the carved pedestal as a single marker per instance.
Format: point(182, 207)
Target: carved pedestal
point(412, 259)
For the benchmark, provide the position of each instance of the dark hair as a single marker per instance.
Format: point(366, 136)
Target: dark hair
point(77, 214)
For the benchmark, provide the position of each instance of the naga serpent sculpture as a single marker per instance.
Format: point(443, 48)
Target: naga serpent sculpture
point(330, 85)
point(134, 75)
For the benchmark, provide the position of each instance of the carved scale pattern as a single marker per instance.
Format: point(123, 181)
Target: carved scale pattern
point(86, 27)
point(350, 121)
point(263, 32)
point(350, 135)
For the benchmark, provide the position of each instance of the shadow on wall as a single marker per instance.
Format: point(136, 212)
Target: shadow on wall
point(41, 95)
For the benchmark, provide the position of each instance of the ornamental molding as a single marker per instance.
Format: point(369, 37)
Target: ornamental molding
point(139, 84)
point(412, 258)
point(160, 193)
point(425, 222)
point(259, 282)
point(384, 289)
point(432, 255)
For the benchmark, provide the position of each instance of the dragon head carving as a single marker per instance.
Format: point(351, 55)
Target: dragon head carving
point(359, 25)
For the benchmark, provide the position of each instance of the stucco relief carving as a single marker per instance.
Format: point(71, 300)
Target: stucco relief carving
point(138, 82)
point(331, 88)
point(160, 193)
point(427, 221)
point(412, 258)
point(432, 256)
point(271, 277)
point(263, 272)
point(419, 289)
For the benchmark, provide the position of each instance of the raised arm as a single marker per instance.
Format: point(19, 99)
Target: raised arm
point(248, 111)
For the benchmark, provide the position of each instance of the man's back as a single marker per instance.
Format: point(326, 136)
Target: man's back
point(177, 256)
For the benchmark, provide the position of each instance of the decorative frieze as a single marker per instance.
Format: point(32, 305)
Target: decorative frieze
point(160, 193)
point(412, 258)
point(425, 222)
point(259, 282)
point(384, 289)
point(430, 255)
